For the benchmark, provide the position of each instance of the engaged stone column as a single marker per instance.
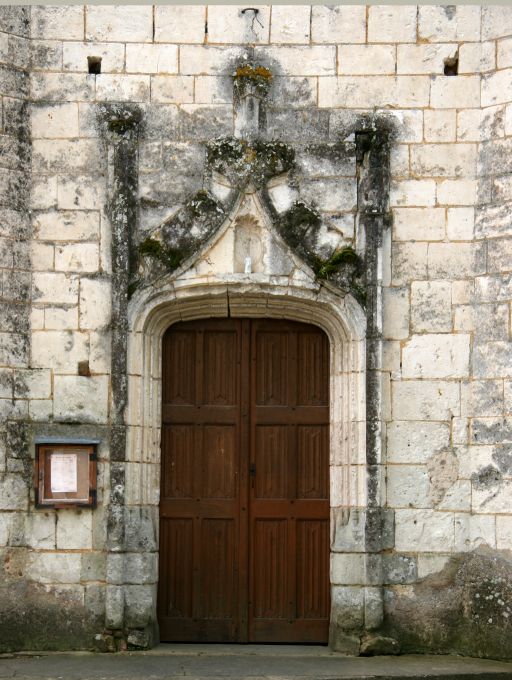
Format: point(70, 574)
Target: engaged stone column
point(360, 534)
point(122, 127)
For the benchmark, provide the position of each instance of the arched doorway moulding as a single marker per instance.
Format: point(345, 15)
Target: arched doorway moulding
point(340, 317)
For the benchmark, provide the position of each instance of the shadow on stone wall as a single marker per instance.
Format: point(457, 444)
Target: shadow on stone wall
point(466, 608)
point(35, 616)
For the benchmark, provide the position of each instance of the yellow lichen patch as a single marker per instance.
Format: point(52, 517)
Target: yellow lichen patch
point(253, 72)
point(250, 155)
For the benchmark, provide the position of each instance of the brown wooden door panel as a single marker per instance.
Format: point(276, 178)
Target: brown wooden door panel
point(244, 547)
point(219, 462)
point(201, 445)
point(283, 508)
point(217, 592)
point(199, 509)
point(176, 541)
point(313, 373)
point(200, 414)
point(313, 462)
point(289, 498)
point(305, 631)
point(270, 569)
point(312, 560)
point(221, 375)
point(179, 357)
point(179, 460)
point(271, 461)
point(271, 377)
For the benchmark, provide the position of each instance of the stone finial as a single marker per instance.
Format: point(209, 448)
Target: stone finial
point(250, 88)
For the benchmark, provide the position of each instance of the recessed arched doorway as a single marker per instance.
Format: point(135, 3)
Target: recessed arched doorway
point(244, 501)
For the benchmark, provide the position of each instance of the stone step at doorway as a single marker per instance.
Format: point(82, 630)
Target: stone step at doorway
point(247, 662)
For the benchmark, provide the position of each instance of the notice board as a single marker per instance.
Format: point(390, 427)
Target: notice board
point(65, 475)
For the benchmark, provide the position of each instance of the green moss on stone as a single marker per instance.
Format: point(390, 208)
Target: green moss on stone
point(324, 269)
point(273, 158)
point(202, 203)
point(225, 150)
point(240, 160)
point(200, 216)
point(170, 257)
point(298, 225)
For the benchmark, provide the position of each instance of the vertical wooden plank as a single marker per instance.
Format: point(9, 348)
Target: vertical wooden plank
point(291, 546)
point(197, 521)
point(270, 569)
point(245, 368)
point(312, 461)
point(291, 360)
point(220, 378)
point(291, 461)
point(271, 349)
point(198, 481)
point(176, 559)
point(252, 474)
point(312, 564)
point(218, 461)
point(271, 451)
point(179, 361)
point(313, 376)
point(179, 461)
point(217, 592)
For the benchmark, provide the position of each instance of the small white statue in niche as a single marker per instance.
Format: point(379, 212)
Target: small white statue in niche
point(249, 249)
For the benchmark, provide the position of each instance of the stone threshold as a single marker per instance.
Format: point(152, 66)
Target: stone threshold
point(247, 662)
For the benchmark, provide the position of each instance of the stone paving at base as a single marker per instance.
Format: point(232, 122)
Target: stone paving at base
point(251, 662)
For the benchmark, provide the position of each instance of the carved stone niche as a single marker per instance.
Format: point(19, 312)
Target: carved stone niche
point(248, 251)
point(247, 245)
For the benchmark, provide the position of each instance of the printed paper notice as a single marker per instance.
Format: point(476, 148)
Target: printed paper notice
point(63, 472)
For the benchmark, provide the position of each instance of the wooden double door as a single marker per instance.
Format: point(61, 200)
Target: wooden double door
point(244, 509)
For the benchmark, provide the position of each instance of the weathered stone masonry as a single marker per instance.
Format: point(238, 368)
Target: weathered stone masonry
point(379, 188)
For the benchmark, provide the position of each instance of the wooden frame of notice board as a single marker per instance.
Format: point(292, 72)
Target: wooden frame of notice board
point(65, 475)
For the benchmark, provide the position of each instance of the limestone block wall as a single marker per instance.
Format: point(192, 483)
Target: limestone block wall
point(448, 329)
point(446, 352)
point(22, 389)
point(17, 382)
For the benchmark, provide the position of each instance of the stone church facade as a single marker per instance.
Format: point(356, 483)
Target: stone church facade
point(345, 166)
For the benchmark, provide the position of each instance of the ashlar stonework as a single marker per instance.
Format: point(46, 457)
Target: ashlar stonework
point(345, 166)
